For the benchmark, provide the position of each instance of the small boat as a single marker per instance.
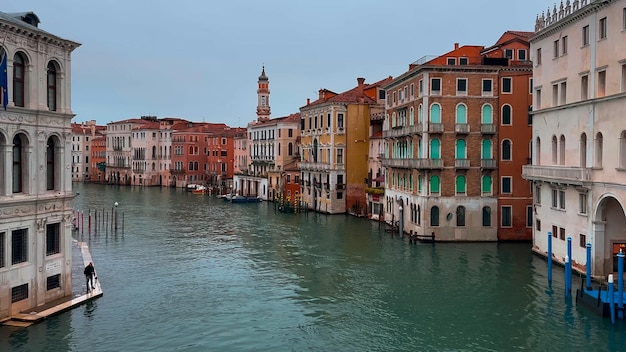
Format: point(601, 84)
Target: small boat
point(241, 199)
point(200, 190)
point(191, 187)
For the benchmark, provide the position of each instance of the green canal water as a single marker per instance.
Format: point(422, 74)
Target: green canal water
point(195, 273)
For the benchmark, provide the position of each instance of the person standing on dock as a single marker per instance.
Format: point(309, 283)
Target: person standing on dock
point(89, 273)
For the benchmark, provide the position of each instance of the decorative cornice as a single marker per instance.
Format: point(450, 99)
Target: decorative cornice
point(38, 35)
point(550, 23)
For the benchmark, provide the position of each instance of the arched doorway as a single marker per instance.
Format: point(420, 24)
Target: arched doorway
point(609, 229)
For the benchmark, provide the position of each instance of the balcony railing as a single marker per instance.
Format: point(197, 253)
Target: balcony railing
point(462, 163)
point(461, 128)
point(487, 128)
point(314, 166)
point(488, 163)
point(435, 127)
point(562, 174)
point(403, 131)
point(413, 163)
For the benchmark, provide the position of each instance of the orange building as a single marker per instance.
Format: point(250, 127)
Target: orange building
point(189, 153)
point(515, 204)
point(97, 169)
point(449, 173)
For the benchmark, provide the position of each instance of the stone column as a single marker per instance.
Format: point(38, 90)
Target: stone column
point(601, 264)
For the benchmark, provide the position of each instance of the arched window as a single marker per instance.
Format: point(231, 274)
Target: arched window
point(435, 113)
point(461, 113)
point(555, 150)
point(190, 165)
point(461, 149)
point(191, 150)
point(434, 216)
point(583, 149)
point(195, 165)
point(51, 169)
point(394, 122)
point(435, 149)
point(622, 150)
point(290, 149)
point(278, 149)
point(506, 115)
point(19, 163)
point(460, 215)
point(411, 116)
point(486, 216)
point(486, 185)
point(460, 185)
point(154, 152)
point(419, 215)
point(52, 86)
point(434, 184)
point(486, 149)
point(599, 151)
point(19, 79)
point(420, 114)
point(487, 114)
point(562, 151)
point(506, 150)
point(314, 150)
point(153, 166)
point(538, 151)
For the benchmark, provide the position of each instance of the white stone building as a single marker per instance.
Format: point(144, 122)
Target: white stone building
point(579, 135)
point(35, 166)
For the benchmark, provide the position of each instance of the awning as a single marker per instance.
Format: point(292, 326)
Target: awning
point(380, 178)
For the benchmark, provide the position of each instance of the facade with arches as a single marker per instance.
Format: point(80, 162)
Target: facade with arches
point(579, 136)
point(451, 123)
point(35, 160)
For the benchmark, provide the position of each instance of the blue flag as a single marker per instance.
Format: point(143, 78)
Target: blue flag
point(4, 81)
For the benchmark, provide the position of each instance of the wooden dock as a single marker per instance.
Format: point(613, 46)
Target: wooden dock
point(38, 314)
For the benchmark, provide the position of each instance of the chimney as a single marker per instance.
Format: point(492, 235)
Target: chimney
point(321, 94)
point(308, 101)
point(456, 46)
point(360, 86)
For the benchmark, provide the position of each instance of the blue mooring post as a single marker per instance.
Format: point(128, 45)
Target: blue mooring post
point(550, 258)
point(588, 265)
point(566, 272)
point(611, 298)
point(568, 279)
point(620, 284)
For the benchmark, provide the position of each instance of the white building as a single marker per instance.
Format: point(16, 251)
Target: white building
point(35, 161)
point(579, 135)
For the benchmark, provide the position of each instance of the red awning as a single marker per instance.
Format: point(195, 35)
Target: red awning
point(380, 178)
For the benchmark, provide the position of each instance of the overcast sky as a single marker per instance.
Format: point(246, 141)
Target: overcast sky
point(200, 60)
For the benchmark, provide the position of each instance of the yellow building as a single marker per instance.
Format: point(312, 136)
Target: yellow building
point(335, 132)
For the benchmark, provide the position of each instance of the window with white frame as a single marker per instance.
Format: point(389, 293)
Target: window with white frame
point(461, 86)
point(487, 87)
point(463, 61)
point(508, 54)
point(521, 54)
point(507, 216)
point(585, 35)
point(507, 184)
point(564, 45)
point(435, 86)
point(507, 85)
point(555, 46)
point(451, 61)
point(602, 28)
point(561, 199)
point(582, 203)
point(555, 198)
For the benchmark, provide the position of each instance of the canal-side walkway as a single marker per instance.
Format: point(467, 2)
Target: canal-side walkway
point(80, 258)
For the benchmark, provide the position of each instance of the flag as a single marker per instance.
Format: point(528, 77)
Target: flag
point(4, 81)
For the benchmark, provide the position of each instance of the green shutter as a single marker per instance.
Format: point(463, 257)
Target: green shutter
point(460, 184)
point(486, 152)
point(487, 116)
point(486, 184)
point(435, 149)
point(435, 113)
point(434, 184)
point(461, 113)
point(460, 149)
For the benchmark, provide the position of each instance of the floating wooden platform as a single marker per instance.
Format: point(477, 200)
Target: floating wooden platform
point(598, 300)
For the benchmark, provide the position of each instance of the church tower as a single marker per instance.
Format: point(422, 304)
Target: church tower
point(263, 96)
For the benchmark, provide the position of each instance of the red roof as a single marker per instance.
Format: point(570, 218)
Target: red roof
point(354, 95)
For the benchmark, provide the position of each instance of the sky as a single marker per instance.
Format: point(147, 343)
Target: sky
point(200, 60)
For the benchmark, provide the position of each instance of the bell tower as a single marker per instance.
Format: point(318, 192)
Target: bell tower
point(263, 95)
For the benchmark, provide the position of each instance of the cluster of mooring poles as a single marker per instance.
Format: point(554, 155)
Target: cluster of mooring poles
point(98, 221)
point(607, 303)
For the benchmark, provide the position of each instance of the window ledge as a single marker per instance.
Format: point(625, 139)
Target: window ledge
point(558, 209)
point(582, 214)
point(620, 169)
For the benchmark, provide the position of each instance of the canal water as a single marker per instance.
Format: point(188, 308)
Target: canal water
point(195, 273)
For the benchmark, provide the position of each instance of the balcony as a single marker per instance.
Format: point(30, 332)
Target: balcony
point(413, 163)
point(561, 174)
point(461, 128)
point(487, 128)
point(306, 166)
point(462, 163)
point(403, 131)
point(435, 127)
point(488, 163)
